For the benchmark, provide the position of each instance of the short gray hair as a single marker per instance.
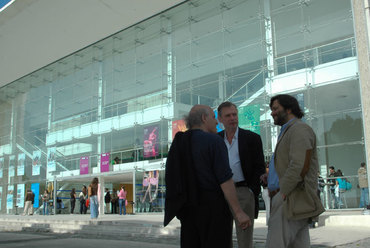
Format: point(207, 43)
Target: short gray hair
point(194, 118)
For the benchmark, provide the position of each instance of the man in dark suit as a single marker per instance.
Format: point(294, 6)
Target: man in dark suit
point(247, 164)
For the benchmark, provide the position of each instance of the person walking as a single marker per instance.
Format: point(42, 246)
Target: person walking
point(93, 198)
point(122, 200)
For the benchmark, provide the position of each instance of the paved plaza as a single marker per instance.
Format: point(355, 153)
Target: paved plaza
point(337, 233)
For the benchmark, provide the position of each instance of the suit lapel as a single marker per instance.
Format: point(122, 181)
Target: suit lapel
point(282, 135)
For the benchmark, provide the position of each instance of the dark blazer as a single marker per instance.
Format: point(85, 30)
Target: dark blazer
point(181, 185)
point(252, 161)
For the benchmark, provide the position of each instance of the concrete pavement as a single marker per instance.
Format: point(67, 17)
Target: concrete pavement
point(336, 229)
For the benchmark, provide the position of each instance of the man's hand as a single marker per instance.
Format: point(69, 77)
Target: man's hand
point(263, 178)
point(243, 220)
point(283, 196)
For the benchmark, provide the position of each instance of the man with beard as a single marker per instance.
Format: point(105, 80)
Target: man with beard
point(292, 178)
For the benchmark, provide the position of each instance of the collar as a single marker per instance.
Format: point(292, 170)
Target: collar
point(236, 135)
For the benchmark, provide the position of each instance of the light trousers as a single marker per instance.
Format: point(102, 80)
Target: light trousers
point(28, 208)
point(284, 233)
point(246, 200)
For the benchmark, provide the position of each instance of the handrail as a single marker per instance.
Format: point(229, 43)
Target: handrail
point(250, 80)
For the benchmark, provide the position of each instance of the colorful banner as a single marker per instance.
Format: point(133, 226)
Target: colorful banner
point(104, 162)
point(20, 195)
point(1, 195)
point(249, 118)
point(51, 159)
point(11, 166)
point(21, 161)
point(36, 163)
point(84, 165)
point(1, 167)
point(178, 126)
point(35, 187)
point(151, 135)
point(9, 197)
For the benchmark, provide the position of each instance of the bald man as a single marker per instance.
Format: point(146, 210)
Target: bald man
point(199, 184)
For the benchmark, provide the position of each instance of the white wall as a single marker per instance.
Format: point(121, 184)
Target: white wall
point(35, 33)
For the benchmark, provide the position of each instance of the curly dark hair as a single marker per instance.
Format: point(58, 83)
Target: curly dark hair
point(288, 102)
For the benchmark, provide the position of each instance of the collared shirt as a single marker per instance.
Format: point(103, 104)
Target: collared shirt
point(234, 159)
point(273, 179)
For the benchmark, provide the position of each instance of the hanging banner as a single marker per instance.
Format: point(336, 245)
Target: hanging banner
point(151, 134)
point(178, 126)
point(1, 167)
point(104, 162)
point(36, 163)
point(84, 165)
point(21, 161)
point(11, 166)
point(249, 118)
point(20, 195)
point(51, 159)
point(35, 187)
point(9, 197)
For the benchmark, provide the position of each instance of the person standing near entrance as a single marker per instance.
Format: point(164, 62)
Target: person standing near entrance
point(45, 202)
point(292, 178)
point(122, 200)
point(93, 198)
point(107, 199)
point(28, 208)
point(73, 200)
point(247, 163)
point(364, 186)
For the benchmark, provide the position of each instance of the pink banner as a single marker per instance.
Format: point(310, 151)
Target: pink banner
point(151, 135)
point(84, 165)
point(104, 162)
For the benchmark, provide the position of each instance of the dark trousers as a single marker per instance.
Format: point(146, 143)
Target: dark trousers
point(114, 207)
point(73, 203)
point(83, 208)
point(207, 225)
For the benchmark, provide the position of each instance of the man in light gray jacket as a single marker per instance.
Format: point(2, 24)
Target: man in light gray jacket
point(292, 178)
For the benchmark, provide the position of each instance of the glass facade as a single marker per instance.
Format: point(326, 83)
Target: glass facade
point(121, 97)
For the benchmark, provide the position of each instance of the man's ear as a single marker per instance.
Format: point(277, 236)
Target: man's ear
point(203, 118)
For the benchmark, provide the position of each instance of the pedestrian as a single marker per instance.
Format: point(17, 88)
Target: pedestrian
point(45, 202)
point(82, 198)
point(122, 200)
point(364, 186)
point(93, 198)
point(292, 178)
point(107, 200)
point(114, 200)
point(73, 199)
point(247, 164)
point(199, 184)
point(29, 199)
